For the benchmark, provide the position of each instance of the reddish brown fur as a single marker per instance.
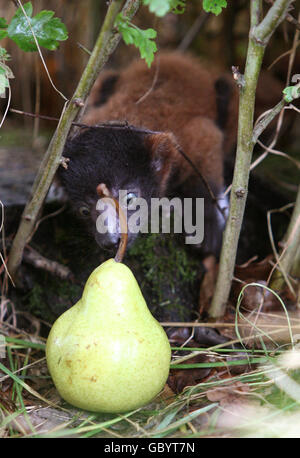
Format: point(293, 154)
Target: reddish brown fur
point(182, 101)
point(163, 146)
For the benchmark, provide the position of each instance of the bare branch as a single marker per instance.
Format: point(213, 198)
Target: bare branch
point(276, 14)
point(34, 258)
point(260, 33)
point(266, 120)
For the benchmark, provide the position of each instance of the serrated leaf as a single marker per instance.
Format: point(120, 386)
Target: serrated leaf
point(214, 6)
point(142, 39)
point(148, 48)
point(3, 23)
point(148, 34)
point(27, 8)
point(47, 29)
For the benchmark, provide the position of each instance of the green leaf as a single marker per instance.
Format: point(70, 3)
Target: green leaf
point(3, 23)
point(291, 93)
point(3, 34)
point(5, 70)
point(178, 6)
point(214, 6)
point(147, 47)
point(4, 54)
point(3, 84)
point(142, 39)
point(5, 73)
point(47, 29)
point(162, 7)
point(288, 97)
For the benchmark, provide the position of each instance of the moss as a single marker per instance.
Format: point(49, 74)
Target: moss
point(168, 272)
point(35, 300)
point(50, 296)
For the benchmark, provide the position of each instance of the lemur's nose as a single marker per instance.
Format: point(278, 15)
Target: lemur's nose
point(108, 241)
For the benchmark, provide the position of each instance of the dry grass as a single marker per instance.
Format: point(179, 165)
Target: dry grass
point(263, 400)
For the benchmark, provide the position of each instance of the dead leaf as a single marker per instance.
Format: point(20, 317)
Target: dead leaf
point(167, 395)
point(179, 379)
point(227, 394)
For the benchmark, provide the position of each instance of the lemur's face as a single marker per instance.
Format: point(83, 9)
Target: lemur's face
point(101, 213)
point(123, 166)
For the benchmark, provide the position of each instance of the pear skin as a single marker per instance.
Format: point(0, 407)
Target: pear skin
point(107, 353)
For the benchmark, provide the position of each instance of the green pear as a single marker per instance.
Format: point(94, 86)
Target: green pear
point(107, 353)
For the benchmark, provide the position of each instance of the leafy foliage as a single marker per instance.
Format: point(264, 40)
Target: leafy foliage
point(3, 80)
point(161, 8)
point(3, 23)
point(48, 30)
point(3, 26)
point(5, 71)
point(214, 6)
point(4, 54)
point(291, 93)
point(142, 39)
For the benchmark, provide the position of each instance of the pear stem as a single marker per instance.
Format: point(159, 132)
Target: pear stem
point(124, 234)
point(103, 192)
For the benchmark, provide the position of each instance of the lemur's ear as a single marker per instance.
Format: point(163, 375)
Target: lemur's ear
point(163, 147)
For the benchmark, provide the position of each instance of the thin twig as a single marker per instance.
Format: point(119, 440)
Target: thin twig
point(276, 254)
point(293, 21)
point(277, 153)
point(266, 120)
point(281, 57)
point(84, 48)
point(44, 218)
point(193, 31)
point(148, 92)
point(3, 258)
point(34, 258)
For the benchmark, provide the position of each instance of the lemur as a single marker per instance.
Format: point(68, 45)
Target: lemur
point(177, 106)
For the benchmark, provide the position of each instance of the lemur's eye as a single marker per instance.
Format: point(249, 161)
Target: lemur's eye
point(84, 211)
point(131, 196)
